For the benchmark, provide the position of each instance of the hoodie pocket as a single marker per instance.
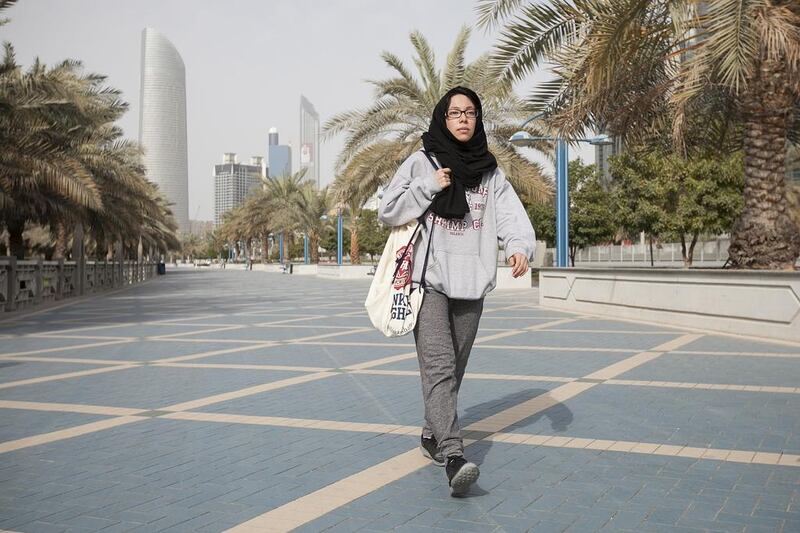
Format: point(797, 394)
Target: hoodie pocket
point(462, 275)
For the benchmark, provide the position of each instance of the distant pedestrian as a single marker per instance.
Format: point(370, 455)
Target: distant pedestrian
point(472, 208)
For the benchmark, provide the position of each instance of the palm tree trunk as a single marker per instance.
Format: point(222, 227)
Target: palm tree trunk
point(264, 249)
point(355, 253)
point(16, 243)
point(764, 236)
point(62, 236)
point(313, 244)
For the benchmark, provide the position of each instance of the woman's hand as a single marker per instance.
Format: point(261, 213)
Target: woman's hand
point(443, 177)
point(519, 264)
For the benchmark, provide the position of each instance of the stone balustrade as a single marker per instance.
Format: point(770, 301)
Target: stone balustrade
point(26, 284)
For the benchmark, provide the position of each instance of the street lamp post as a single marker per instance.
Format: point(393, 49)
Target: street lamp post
point(339, 239)
point(280, 248)
point(523, 138)
point(562, 203)
point(305, 248)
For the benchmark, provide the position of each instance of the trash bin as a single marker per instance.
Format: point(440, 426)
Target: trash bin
point(290, 268)
point(162, 268)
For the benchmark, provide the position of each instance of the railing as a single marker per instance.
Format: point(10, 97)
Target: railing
point(709, 253)
point(25, 284)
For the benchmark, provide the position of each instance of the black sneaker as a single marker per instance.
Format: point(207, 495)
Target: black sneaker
point(461, 474)
point(430, 449)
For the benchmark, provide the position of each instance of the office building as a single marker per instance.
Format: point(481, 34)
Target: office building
point(309, 140)
point(233, 181)
point(279, 156)
point(162, 121)
point(601, 154)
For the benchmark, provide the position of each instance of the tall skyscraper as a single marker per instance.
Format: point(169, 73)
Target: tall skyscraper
point(309, 140)
point(273, 136)
point(601, 154)
point(279, 156)
point(162, 121)
point(233, 181)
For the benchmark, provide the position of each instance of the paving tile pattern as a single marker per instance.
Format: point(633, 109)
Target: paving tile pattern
point(242, 443)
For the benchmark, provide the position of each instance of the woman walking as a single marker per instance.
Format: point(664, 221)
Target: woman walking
point(469, 208)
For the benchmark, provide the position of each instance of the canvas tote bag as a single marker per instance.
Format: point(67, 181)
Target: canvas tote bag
point(393, 301)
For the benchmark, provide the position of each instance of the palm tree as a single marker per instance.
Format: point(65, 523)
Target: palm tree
point(46, 113)
point(311, 206)
point(727, 69)
point(283, 194)
point(257, 219)
point(381, 136)
point(65, 163)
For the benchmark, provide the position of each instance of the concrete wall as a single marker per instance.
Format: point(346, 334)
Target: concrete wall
point(344, 271)
point(762, 304)
point(506, 281)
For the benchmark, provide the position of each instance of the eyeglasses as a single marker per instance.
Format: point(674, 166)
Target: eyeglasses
point(454, 114)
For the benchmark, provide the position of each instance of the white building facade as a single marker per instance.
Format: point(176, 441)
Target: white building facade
point(233, 181)
point(162, 121)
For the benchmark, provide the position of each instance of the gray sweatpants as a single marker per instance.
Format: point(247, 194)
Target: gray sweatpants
point(444, 334)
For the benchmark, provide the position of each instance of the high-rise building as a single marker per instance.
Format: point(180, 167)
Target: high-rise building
point(162, 121)
point(601, 154)
point(233, 181)
point(279, 156)
point(309, 140)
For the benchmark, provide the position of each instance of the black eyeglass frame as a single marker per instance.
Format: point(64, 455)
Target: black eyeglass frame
point(460, 113)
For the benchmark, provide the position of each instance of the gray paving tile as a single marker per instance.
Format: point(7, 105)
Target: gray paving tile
point(194, 476)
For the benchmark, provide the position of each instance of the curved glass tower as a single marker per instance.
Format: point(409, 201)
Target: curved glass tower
point(162, 121)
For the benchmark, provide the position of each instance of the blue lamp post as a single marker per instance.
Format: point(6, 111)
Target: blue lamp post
point(523, 138)
point(339, 239)
point(305, 249)
point(280, 248)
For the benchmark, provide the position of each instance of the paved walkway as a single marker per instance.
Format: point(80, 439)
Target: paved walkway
point(247, 401)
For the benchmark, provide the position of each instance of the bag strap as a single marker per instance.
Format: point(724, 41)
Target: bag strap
point(399, 260)
point(428, 155)
point(430, 233)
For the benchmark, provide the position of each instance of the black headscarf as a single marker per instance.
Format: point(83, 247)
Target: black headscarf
point(467, 160)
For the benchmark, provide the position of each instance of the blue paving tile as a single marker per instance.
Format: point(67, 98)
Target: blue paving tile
point(308, 355)
point(379, 399)
point(740, 370)
point(352, 321)
point(529, 362)
point(11, 345)
point(490, 322)
point(254, 468)
point(638, 342)
point(258, 334)
point(614, 326)
point(138, 330)
point(718, 343)
point(143, 387)
point(17, 423)
point(141, 350)
point(169, 475)
point(717, 419)
point(19, 370)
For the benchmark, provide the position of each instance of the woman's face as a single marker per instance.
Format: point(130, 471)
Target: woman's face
point(463, 127)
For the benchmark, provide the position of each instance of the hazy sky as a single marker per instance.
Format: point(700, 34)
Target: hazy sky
point(247, 61)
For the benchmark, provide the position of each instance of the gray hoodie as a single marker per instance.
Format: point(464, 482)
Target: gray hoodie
point(463, 260)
